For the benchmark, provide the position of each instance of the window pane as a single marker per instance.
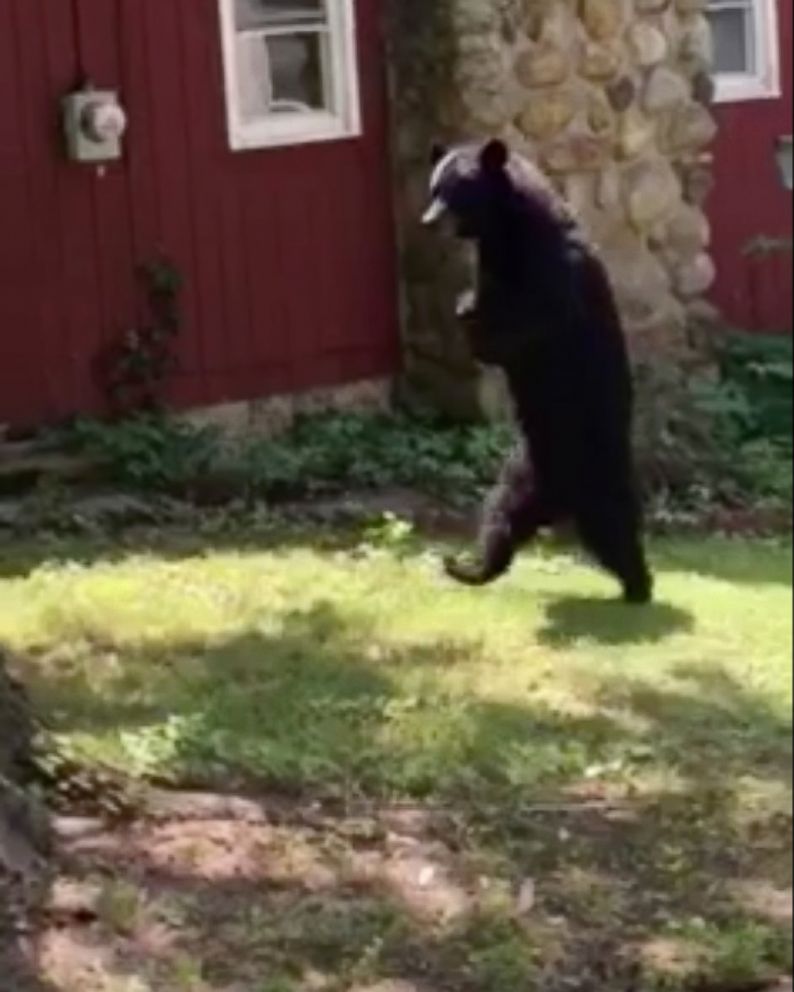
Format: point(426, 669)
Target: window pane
point(298, 72)
point(282, 73)
point(253, 72)
point(734, 43)
point(253, 14)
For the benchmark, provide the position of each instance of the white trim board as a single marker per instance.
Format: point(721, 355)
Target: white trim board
point(765, 83)
point(285, 129)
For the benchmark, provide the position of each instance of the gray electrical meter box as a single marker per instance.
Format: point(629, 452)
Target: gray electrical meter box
point(94, 124)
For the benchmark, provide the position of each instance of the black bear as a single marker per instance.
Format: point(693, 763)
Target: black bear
point(544, 312)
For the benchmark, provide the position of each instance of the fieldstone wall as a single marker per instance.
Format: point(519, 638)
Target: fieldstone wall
point(612, 98)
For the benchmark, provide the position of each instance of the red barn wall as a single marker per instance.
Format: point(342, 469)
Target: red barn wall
point(754, 294)
point(287, 255)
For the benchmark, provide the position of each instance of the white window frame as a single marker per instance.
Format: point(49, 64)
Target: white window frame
point(765, 82)
point(274, 131)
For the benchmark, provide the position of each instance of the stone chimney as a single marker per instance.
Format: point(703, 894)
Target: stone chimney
point(611, 98)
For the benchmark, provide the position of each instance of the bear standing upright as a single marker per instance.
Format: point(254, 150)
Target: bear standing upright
point(544, 312)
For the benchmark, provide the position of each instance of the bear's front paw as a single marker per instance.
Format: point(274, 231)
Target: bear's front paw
point(467, 573)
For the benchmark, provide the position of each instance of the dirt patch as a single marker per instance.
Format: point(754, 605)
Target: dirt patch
point(208, 893)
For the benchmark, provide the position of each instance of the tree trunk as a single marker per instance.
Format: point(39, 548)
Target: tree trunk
point(23, 821)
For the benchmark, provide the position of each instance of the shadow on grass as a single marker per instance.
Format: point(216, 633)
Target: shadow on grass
point(611, 622)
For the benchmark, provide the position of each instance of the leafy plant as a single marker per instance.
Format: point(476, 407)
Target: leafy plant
point(761, 369)
point(321, 454)
point(134, 371)
point(147, 451)
point(703, 441)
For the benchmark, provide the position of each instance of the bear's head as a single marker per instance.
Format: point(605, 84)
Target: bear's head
point(474, 184)
point(466, 183)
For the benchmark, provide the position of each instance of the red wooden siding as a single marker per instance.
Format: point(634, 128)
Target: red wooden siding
point(754, 293)
point(287, 254)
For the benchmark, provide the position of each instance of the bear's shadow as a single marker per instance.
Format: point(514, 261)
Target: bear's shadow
point(611, 622)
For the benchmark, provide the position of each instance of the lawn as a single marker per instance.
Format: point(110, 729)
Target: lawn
point(603, 792)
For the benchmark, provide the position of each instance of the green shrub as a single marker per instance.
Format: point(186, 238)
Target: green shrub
point(147, 451)
point(703, 440)
point(761, 368)
point(320, 455)
point(699, 440)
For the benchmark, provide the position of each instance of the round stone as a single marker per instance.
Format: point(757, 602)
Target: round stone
point(696, 45)
point(695, 277)
point(687, 232)
point(576, 153)
point(641, 282)
point(665, 90)
point(652, 192)
point(484, 80)
point(600, 62)
point(692, 128)
point(636, 134)
point(604, 19)
point(547, 115)
point(557, 24)
point(543, 65)
point(648, 44)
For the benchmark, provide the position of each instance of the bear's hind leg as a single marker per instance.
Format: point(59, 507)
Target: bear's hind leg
point(616, 543)
point(513, 516)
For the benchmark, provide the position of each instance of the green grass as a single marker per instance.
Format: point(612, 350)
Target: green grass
point(359, 671)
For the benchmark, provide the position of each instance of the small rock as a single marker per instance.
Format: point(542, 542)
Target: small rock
point(527, 897)
point(71, 901)
point(665, 90)
point(600, 62)
point(576, 153)
point(636, 135)
point(648, 44)
point(693, 127)
point(652, 193)
point(687, 232)
point(696, 45)
point(548, 115)
point(603, 19)
point(544, 65)
point(696, 277)
point(427, 876)
point(72, 828)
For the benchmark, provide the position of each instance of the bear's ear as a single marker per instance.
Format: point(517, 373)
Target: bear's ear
point(437, 152)
point(494, 156)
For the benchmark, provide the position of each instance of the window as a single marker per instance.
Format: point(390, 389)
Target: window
point(746, 49)
point(290, 68)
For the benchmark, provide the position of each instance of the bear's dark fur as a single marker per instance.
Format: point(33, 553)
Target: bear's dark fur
point(544, 312)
